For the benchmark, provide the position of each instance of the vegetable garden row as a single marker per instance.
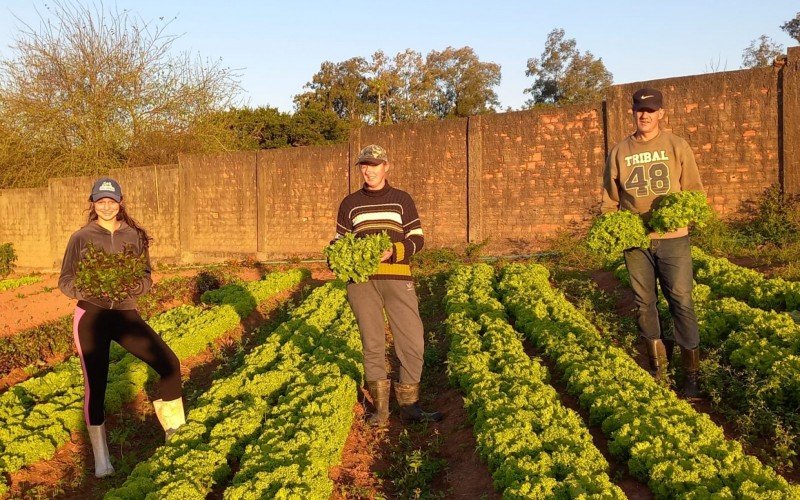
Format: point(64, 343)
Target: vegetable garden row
point(275, 423)
point(38, 415)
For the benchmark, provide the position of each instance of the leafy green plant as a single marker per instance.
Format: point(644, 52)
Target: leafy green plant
point(613, 232)
point(109, 276)
point(36, 344)
point(518, 416)
point(680, 209)
point(413, 468)
point(356, 259)
point(7, 259)
point(38, 415)
point(773, 218)
point(283, 415)
point(10, 284)
point(679, 452)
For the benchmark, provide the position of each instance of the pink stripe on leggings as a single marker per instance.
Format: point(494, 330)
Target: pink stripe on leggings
point(75, 322)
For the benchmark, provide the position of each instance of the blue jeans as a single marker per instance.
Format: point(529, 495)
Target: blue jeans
point(668, 262)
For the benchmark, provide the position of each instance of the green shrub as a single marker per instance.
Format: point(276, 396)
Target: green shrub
point(773, 218)
point(7, 259)
point(719, 237)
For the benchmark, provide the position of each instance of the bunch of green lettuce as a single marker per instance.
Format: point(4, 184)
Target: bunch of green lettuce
point(356, 259)
point(680, 209)
point(613, 232)
point(110, 276)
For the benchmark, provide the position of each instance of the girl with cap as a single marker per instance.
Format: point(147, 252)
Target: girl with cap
point(98, 321)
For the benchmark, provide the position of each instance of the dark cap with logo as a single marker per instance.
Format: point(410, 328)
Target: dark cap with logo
point(106, 187)
point(372, 155)
point(649, 99)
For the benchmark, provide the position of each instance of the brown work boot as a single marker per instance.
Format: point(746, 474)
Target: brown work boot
point(691, 364)
point(379, 392)
point(408, 398)
point(657, 353)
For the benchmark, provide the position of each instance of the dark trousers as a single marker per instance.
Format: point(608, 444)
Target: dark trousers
point(668, 262)
point(399, 299)
point(93, 330)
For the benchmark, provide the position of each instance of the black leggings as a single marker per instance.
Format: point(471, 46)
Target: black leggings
point(93, 330)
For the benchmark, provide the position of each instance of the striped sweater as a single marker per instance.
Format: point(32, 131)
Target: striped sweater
point(367, 212)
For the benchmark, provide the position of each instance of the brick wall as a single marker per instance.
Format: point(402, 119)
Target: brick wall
point(790, 129)
point(152, 199)
point(218, 214)
point(299, 191)
point(539, 173)
point(69, 211)
point(25, 222)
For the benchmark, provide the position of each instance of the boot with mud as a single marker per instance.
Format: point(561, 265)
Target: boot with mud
point(408, 398)
point(657, 353)
point(379, 391)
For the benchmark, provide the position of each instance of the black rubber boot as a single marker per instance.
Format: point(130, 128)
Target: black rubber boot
point(657, 353)
point(407, 397)
point(379, 392)
point(691, 363)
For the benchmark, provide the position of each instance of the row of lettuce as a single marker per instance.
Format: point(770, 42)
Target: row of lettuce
point(678, 451)
point(38, 415)
point(12, 283)
point(283, 415)
point(752, 340)
point(534, 445)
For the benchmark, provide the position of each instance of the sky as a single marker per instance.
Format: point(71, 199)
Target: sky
point(277, 46)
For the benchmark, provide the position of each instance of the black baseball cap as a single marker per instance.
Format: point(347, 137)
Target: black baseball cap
point(649, 99)
point(106, 187)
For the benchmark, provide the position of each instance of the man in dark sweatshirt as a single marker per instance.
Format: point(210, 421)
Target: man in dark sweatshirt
point(378, 207)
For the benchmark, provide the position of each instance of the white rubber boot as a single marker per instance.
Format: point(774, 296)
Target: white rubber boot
point(102, 459)
point(170, 415)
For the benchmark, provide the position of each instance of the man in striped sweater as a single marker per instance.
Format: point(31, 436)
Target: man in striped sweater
point(378, 207)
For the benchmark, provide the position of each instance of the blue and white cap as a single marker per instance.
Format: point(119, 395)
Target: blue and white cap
point(106, 187)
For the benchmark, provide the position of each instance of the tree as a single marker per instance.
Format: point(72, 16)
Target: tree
point(453, 82)
point(342, 87)
point(761, 52)
point(268, 128)
point(92, 90)
point(410, 101)
point(565, 76)
point(792, 27)
point(460, 84)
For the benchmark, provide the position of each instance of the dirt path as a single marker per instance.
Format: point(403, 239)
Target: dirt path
point(372, 460)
